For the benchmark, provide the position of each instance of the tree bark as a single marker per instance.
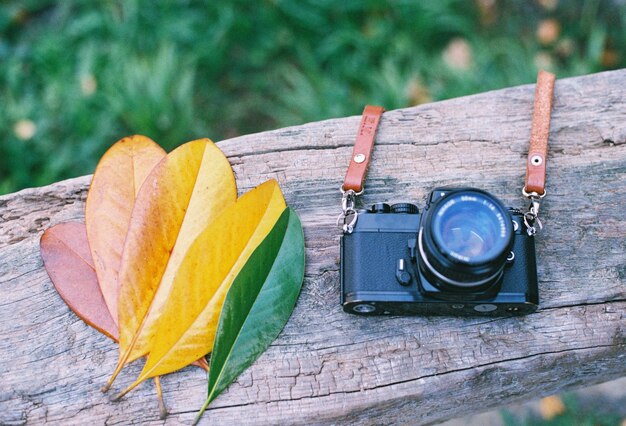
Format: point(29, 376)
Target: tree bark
point(332, 367)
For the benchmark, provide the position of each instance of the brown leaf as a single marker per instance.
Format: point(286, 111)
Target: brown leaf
point(67, 259)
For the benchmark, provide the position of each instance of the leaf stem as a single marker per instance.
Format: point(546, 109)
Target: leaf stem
point(118, 368)
point(203, 364)
point(202, 410)
point(159, 391)
point(128, 389)
point(122, 361)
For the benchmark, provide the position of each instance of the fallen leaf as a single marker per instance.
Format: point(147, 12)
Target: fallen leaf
point(67, 259)
point(187, 323)
point(179, 198)
point(114, 186)
point(259, 303)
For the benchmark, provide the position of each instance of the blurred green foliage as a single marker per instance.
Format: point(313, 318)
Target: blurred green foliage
point(75, 75)
point(574, 414)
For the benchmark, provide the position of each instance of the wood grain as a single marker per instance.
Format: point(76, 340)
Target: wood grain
point(330, 367)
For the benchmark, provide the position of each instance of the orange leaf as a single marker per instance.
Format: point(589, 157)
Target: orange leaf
point(188, 322)
point(110, 201)
point(180, 197)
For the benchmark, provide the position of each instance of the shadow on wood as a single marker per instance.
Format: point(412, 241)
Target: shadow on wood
point(328, 366)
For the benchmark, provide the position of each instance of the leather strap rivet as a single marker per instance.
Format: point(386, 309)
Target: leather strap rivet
point(536, 160)
point(359, 158)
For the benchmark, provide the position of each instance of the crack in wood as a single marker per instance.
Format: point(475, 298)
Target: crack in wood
point(365, 389)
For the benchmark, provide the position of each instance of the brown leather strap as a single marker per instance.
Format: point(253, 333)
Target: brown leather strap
point(538, 150)
point(362, 151)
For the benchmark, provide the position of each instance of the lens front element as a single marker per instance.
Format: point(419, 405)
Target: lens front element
point(464, 240)
point(470, 228)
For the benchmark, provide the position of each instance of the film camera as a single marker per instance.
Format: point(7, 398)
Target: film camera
point(466, 254)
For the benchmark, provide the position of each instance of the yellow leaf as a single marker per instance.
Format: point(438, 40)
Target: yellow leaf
point(114, 186)
point(180, 197)
point(187, 326)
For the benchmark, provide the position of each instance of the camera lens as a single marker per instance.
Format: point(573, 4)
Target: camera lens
point(468, 229)
point(465, 239)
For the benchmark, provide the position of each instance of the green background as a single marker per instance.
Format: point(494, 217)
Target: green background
point(75, 76)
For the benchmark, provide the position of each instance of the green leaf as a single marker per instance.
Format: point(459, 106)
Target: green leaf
point(258, 304)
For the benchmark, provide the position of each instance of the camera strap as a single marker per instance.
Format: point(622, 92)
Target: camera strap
point(534, 186)
point(357, 169)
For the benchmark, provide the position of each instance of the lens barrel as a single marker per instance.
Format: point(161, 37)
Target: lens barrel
point(464, 240)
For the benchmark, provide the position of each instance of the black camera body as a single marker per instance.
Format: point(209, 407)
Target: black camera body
point(466, 254)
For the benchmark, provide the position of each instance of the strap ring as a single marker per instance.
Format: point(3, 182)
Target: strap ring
point(533, 195)
point(344, 191)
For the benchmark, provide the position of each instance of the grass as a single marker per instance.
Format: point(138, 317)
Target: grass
point(75, 76)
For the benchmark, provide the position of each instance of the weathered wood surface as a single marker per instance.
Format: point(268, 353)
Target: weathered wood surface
point(330, 367)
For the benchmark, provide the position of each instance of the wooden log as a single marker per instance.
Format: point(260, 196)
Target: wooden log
point(331, 367)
